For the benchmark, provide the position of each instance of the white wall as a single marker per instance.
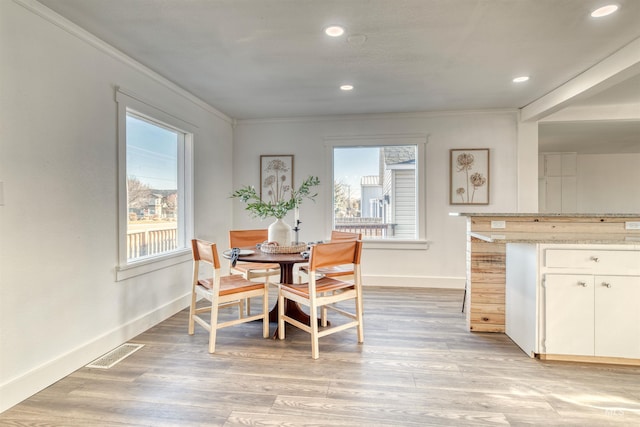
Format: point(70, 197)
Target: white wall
point(443, 264)
point(60, 306)
point(608, 183)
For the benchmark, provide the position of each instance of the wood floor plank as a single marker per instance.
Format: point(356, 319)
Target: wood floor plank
point(418, 366)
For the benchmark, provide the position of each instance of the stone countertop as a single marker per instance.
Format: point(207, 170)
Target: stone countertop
point(552, 215)
point(586, 238)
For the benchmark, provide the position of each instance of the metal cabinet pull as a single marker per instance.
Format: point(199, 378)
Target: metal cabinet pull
point(594, 259)
point(583, 284)
point(605, 284)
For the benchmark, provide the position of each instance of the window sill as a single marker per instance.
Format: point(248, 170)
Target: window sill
point(411, 245)
point(148, 265)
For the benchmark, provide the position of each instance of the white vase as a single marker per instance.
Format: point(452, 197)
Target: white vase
point(280, 231)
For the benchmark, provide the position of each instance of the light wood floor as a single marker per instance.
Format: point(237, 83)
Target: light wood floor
point(418, 366)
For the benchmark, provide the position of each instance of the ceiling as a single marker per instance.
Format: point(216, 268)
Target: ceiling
point(254, 59)
point(590, 137)
point(597, 136)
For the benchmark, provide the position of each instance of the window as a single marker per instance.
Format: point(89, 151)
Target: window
point(152, 187)
point(155, 186)
point(378, 186)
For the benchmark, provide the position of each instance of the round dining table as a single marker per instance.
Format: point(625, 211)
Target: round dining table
point(286, 263)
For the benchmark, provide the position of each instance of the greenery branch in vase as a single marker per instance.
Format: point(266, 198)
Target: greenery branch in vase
point(278, 207)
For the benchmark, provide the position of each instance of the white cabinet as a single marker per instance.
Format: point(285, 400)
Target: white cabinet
point(591, 300)
point(559, 164)
point(592, 260)
point(557, 182)
point(617, 316)
point(575, 301)
point(568, 314)
point(592, 315)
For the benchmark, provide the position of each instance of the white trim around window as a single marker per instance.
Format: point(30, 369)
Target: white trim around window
point(420, 141)
point(130, 103)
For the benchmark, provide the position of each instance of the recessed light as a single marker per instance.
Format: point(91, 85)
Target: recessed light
point(604, 11)
point(346, 88)
point(521, 79)
point(357, 39)
point(334, 31)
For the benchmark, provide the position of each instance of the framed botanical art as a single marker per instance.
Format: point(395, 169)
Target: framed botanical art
point(276, 177)
point(469, 176)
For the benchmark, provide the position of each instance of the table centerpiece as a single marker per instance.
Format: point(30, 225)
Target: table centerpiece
point(277, 207)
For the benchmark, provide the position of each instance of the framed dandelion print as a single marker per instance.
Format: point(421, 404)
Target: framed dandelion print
point(469, 176)
point(276, 177)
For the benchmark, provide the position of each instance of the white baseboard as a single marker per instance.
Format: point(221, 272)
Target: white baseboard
point(19, 388)
point(415, 281)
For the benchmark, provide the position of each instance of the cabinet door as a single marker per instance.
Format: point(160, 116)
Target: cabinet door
point(569, 314)
point(553, 194)
point(569, 164)
point(553, 164)
point(542, 194)
point(617, 314)
point(569, 194)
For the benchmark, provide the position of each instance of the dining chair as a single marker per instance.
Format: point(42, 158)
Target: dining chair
point(222, 292)
point(325, 292)
point(336, 236)
point(251, 270)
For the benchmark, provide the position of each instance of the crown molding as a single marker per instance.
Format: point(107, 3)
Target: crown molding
point(380, 116)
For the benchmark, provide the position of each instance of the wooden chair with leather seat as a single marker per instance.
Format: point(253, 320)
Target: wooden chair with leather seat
point(325, 292)
point(336, 236)
point(222, 292)
point(251, 270)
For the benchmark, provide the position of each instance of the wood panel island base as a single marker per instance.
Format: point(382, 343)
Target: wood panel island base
point(562, 287)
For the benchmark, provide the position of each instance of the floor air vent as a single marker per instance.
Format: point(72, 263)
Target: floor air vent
point(114, 356)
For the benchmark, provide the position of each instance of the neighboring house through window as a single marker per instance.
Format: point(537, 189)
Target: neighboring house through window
point(377, 187)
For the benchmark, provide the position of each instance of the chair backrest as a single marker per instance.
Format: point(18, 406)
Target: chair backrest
point(240, 238)
point(335, 253)
point(344, 236)
point(206, 252)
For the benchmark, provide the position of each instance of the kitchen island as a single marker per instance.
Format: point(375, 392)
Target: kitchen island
point(512, 259)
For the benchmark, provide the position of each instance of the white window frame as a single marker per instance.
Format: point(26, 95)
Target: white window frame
point(420, 141)
point(129, 103)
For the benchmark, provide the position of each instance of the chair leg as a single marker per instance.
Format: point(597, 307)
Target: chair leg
point(313, 314)
point(192, 312)
point(323, 317)
point(464, 296)
point(213, 327)
point(323, 314)
point(241, 306)
point(265, 311)
point(280, 315)
point(359, 309)
point(246, 302)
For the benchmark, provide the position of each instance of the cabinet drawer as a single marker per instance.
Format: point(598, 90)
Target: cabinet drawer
point(597, 261)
